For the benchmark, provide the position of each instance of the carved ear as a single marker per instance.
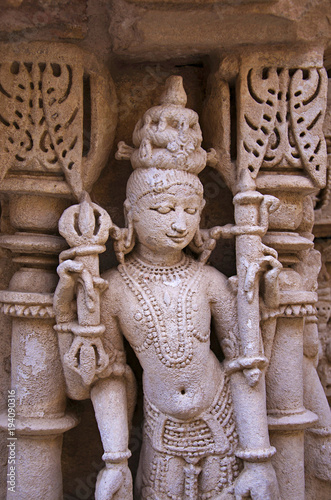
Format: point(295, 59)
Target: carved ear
point(127, 210)
point(204, 242)
point(129, 237)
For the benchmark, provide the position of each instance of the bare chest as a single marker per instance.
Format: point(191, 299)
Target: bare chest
point(164, 313)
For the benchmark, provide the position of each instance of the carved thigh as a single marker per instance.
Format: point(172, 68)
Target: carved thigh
point(217, 477)
point(162, 476)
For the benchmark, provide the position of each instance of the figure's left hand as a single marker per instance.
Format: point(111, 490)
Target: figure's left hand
point(204, 242)
point(114, 483)
point(257, 481)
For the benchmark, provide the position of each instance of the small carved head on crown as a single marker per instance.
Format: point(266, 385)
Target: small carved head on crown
point(168, 136)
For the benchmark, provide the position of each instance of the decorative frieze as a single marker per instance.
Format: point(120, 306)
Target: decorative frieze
point(27, 305)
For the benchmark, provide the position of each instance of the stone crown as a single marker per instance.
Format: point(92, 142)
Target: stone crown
point(169, 135)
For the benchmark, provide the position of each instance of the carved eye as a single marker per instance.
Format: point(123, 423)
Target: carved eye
point(191, 211)
point(162, 210)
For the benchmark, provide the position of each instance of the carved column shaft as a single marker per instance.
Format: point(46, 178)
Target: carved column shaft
point(288, 417)
point(284, 400)
point(37, 376)
point(292, 167)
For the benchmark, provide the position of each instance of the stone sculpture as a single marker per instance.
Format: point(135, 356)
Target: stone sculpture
point(205, 423)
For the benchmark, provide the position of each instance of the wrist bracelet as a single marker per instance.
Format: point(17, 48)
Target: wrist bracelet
point(259, 455)
point(116, 457)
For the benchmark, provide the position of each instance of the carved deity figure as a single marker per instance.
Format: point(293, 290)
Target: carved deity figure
point(205, 432)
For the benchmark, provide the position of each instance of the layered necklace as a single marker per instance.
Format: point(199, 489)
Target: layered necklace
point(139, 277)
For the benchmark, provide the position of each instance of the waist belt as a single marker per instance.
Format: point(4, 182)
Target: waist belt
point(211, 432)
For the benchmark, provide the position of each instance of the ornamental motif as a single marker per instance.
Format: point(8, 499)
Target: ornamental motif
point(281, 120)
point(27, 305)
point(46, 122)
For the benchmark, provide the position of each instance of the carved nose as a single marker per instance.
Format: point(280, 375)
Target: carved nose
point(179, 225)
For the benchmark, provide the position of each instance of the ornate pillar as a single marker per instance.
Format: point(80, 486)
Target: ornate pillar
point(57, 120)
point(324, 315)
point(277, 147)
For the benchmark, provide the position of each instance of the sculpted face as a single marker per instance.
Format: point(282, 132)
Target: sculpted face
point(168, 220)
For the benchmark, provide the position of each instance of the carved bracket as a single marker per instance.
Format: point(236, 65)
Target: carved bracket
point(47, 129)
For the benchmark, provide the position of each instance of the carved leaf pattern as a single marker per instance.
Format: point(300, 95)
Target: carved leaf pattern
point(282, 149)
point(25, 142)
point(43, 147)
point(258, 112)
point(307, 108)
point(63, 106)
point(281, 118)
point(15, 92)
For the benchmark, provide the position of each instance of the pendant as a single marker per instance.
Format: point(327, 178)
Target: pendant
point(166, 298)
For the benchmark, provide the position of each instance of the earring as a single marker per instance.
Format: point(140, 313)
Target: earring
point(129, 237)
point(196, 244)
point(124, 239)
point(204, 242)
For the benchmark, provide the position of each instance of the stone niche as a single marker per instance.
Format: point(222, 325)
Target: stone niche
point(115, 57)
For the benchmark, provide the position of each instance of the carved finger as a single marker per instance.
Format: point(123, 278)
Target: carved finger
point(241, 491)
point(269, 251)
point(90, 294)
point(108, 484)
point(69, 266)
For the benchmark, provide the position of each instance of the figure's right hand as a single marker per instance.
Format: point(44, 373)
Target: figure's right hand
point(257, 481)
point(68, 271)
point(114, 483)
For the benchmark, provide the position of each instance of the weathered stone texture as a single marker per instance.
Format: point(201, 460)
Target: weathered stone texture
point(253, 72)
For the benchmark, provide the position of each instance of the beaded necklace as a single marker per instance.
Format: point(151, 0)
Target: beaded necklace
point(138, 276)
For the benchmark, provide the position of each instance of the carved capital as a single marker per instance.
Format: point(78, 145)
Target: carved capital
point(44, 129)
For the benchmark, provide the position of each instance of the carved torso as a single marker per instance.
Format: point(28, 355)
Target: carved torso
point(165, 315)
point(167, 306)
